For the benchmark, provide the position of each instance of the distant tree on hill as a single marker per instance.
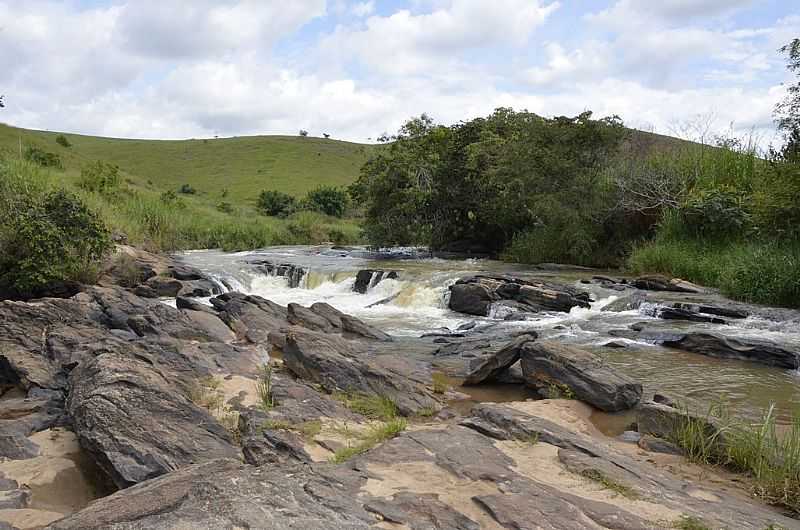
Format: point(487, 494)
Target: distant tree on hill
point(303, 133)
point(787, 112)
point(326, 135)
point(1, 102)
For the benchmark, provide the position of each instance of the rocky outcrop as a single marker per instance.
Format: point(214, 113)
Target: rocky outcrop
point(475, 295)
point(369, 278)
point(137, 423)
point(493, 364)
point(340, 365)
point(294, 274)
point(577, 373)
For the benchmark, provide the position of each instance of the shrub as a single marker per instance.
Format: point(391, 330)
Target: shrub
point(99, 177)
point(276, 203)
point(46, 238)
point(328, 200)
point(187, 189)
point(62, 141)
point(303, 133)
point(225, 207)
point(715, 213)
point(170, 198)
point(43, 158)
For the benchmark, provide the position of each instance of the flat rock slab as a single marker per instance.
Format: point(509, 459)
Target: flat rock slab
point(715, 345)
point(581, 373)
point(475, 295)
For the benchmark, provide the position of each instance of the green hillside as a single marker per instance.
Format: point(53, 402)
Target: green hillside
point(242, 165)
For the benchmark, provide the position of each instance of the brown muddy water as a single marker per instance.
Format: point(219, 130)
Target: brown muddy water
point(418, 304)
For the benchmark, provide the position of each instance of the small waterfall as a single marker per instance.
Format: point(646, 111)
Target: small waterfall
point(294, 274)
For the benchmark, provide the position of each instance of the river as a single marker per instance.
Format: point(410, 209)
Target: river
point(418, 304)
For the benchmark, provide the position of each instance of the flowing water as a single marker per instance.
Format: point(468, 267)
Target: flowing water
point(416, 303)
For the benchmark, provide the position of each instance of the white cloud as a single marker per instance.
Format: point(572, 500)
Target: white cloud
point(362, 9)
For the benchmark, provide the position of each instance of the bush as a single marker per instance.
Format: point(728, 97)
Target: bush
point(46, 238)
point(328, 200)
point(62, 141)
point(99, 177)
point(187, 189)
point(225, 207)
point(717, 213)
point(43, 158)
point(276, 203)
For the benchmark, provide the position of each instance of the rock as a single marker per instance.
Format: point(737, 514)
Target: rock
point(183, 302)
point(512, 376)
point(164, 287)
point(652, 444)
point(337, 364)
point(294, 274)
point(677, 313)
point(471, 299)
point(630, 302)
point(258, 317)
point(14, 499)
point(183, 272)
point(492, 365)
point(301, 316)
point(662, 283)
point(327, 311)
point(145, 291)
point(631, 437)
point(727, 312)
point(615, 344)
point(475, 295)
point(580, 373)
point(15, 446)
point(715, 345)
point(136, 423)
point(229, 494)
point(355, 326)
point(211, 324)
point(662, 421)
point(420, 511)
point(368, 278)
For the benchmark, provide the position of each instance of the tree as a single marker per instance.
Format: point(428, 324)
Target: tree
point(303, 133)
point(787, 112)
point(326, 135)
point(1, 102)
point(276, 203)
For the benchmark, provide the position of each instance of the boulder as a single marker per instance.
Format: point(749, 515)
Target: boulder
point(652, 444)
point(368, 278)
point(715, 345)
point(490, 366)
point(664, 422)
point(355, 326)
point(579, 373)
point(717, 310)
point(680, 313)
point(476, 294)
point(294, 274)
point(136, 423)
point(302, 316)
point(165, 287)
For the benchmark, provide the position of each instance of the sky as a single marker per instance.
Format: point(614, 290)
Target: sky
point(357, 69)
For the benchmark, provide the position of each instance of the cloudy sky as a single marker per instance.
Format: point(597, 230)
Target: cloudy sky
point(355, 69)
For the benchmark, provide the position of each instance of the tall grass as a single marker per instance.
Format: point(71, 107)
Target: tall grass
point(768, 453)
point(753, 271)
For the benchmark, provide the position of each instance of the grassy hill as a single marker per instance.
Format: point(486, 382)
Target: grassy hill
point(242, 165)
point(230, 170)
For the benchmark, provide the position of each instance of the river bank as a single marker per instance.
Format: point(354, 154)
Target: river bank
point(361, 420)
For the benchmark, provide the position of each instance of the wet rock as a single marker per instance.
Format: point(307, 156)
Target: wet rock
point(652, 444)
point(368, 278)
point(662, 283)
point(721, 311)
point(490, 366)
point(475, 295)
point(627, 303)
point(294, 274)
point(229, 494)
point(678, 313)
point(715, 345)
point(136, 423)
point(166, 287)
point(338, 364)
point(580, 373)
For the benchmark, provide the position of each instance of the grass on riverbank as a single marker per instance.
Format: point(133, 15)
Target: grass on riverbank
point(752, 271)
point(767, 453)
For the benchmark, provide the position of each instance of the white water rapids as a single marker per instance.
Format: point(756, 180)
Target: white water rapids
point(416, 303)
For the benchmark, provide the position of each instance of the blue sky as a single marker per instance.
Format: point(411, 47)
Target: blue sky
point(356, 69)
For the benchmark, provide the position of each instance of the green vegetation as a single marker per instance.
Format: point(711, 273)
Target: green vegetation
point(688, 522)
point(372, 406)
point(372, 437)
point(264, 387)
point(769, 455)
point(48, 236)
point(328, 200)
point(206, 393)
point(440, 383)
point(62, 141)
point(307, 429)
point(276, 203)
point(610, 484)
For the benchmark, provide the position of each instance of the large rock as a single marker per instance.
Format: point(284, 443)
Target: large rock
point(715, 345)
point(368, 278)
point(339, 364)
point(294, 274)
point(136, 423)
point(475, 295)
point(493, 364)
point(657, 282)
point(580, 373)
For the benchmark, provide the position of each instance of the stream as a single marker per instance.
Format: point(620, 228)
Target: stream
point(416, 303)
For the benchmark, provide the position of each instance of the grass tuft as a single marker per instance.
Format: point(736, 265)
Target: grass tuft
point(688, 522)
point(440, 383)
point(375, 407)
point(609, 483)
point(372, 437)
point(264, 387)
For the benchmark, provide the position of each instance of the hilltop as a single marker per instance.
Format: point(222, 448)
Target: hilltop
point(243, 165)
